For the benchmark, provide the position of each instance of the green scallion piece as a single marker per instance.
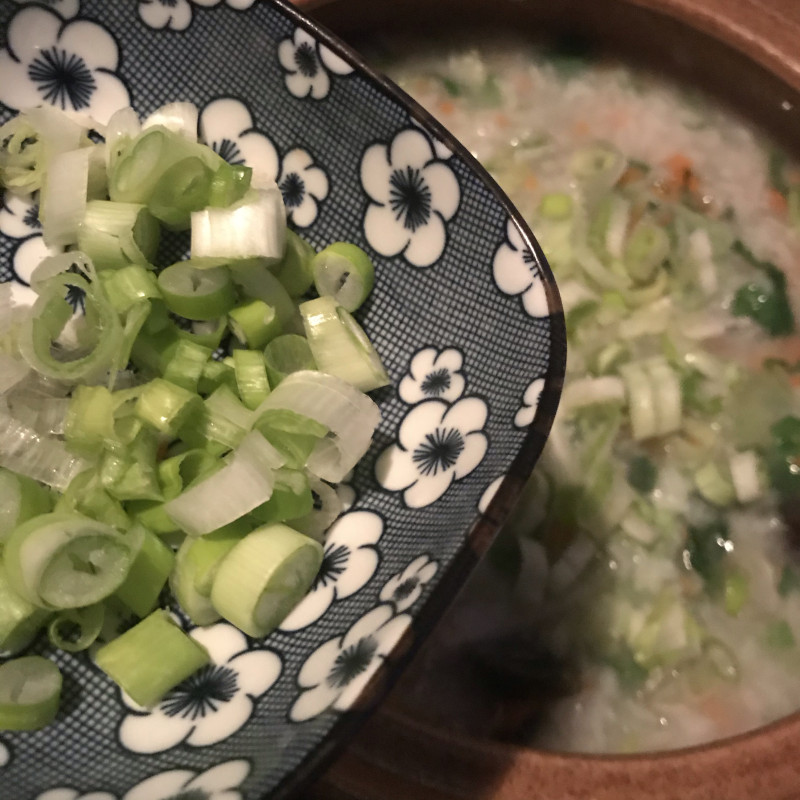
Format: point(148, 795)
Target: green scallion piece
point(291, 498)
point(147, 576)
point(129, 285)
point(295, 271)
point(62, 560)
point(264, 576)
point(287, 354)
point(185, 367)
point(20, 620)
point(344, 272)
point(251, 376)
point(202, 294)
point(21, 499)
point(115, 235)
point(293, 435)
point(165, 406)
point(76, 629)
point(136, 660)
point(90, 419)
point(30, 691)
point(254, 323)
point(229, 184)
point(339, 345)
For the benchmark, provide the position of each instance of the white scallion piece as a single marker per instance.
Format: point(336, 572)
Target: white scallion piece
point(29, 453)
point(64, 197)
point(245, 482)
point(253, 228)
point(349, 415)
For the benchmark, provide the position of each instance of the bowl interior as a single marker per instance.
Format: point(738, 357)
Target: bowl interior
point(462, 289)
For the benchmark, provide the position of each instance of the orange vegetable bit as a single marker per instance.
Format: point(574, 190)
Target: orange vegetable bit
point(777, 203)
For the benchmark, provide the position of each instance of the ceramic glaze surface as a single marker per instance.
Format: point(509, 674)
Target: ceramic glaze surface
point(462, 292)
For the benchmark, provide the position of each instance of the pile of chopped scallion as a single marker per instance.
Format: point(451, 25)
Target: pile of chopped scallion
point(132, 459)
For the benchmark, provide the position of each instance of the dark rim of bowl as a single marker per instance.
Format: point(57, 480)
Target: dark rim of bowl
point(486, 525)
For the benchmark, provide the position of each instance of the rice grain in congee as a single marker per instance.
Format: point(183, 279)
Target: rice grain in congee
point(649, 567)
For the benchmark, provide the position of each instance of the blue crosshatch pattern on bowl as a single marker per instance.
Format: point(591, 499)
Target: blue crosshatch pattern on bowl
point(454, 303)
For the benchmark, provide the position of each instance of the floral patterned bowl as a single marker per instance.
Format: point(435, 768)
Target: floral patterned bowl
point(467, 319)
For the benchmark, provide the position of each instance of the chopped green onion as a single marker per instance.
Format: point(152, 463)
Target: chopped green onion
point(556, 205)
point(136, 659)
point(263, 578)
point(255, 323)
point(30, 691)
point(90, 419)
point(20, 621)
point(21, 499)
point(251, 376)
point(66, 560)
point(253, 228)
point(128, 285)
point(147, 576)
point(49, 314)
point(229, 184)
point(186, 365)
point(287, 354)
point(244, 483)
point(295, 270)
point(184, 187)
point(647, 247)
point(115, 235)
point(350, 416)
point(203, 294)
point(344, 272)
point(165, 406)
point(76, 629)
point(291, 499)
point(339, 345)
point(293, 435)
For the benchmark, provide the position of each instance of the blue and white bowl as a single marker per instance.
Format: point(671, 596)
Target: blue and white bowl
point(465, 315)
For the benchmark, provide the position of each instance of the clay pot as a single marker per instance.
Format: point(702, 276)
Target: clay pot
point(747, 54)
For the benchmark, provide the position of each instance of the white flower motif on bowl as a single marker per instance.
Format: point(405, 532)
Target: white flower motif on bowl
point(439, 147)
point(403, 589)
point(437, 444)
point(303, 186)
point(413, 195)
point(349, 561)
point(176, 15)
point(19, 216)
point(220, 782)
point(69, 65)
point(65, 8)
point(212, 704)
point(337, 671)
point(433, 375)
point(305, 75)
point(5, 755)
point(530, 403)
point(488, 494)
point(66, 793)
point(517, 272)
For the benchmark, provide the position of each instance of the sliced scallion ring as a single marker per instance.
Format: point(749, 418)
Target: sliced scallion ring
point(136, 659)
point(61, 560)
point(202, 294)
point(30, 690)
point(264, 576)
point(339, 345)
point(344, 272)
